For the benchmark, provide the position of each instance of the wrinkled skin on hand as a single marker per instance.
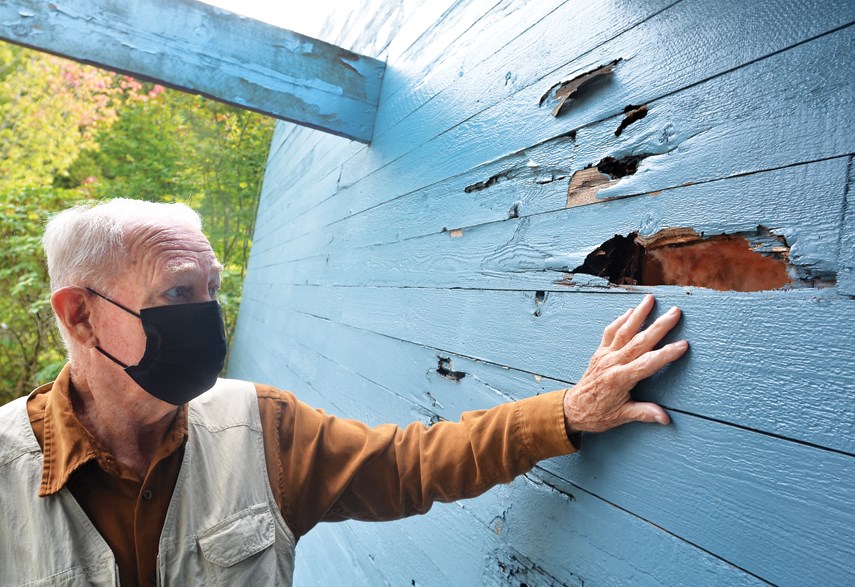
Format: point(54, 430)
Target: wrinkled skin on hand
point(601, 400)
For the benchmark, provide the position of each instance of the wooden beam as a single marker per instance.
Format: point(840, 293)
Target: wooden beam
point(201, 49)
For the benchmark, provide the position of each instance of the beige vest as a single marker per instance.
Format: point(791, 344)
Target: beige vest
point(222, 527)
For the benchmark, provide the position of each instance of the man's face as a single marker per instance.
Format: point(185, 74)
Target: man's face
point(165, 265)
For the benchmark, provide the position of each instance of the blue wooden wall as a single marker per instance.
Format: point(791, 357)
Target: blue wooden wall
point(450, 237)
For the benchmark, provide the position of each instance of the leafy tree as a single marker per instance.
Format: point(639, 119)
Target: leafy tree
point(30, 348)
point(51, 109)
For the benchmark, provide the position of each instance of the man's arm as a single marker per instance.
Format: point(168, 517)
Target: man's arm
point(323, 468)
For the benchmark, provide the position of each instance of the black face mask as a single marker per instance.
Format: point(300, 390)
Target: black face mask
point(184, 352)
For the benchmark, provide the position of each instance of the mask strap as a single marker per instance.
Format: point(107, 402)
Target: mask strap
point(111, 357)
point(129, 311)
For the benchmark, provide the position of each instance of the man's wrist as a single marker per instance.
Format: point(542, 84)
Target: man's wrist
point(574, 436)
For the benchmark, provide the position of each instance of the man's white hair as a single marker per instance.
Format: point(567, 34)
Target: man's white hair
point(86, 246)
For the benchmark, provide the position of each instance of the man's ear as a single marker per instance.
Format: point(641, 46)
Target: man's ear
point(72, 307)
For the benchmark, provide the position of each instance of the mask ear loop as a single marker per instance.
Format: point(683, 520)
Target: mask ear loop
point(100, 295)
point(111, 357)
point(129, 311)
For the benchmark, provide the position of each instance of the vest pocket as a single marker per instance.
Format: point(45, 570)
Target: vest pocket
point(239, 536)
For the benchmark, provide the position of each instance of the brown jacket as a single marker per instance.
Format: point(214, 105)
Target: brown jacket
point(321, 468)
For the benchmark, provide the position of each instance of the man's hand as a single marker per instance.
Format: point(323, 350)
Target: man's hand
point(601, 399)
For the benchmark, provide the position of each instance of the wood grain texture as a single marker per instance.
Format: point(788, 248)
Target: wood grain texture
point(202, 49)
point(801, 204)
point(588, 538)
point(443, 247)
point(706, 132)
point(716, 462)
point(846, 266)
point(454, 135)
point(805, 393)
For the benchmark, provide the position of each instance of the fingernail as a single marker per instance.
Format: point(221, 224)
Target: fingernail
point(681, 344)
point(673, 310)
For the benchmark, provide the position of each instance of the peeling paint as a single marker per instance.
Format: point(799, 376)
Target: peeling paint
point(566, 91)
point(456, 232)
point(756, 261)
point(549, 179)
point(586, 183)
point(633, 114)
point(513, 568)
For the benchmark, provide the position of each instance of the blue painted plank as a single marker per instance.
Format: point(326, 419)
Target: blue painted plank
point(725, 135)
point(524, 192)
point(718, 380)
point(202, 49)
point(846, 270)
point(334, 550)
point(420, 72)
point(801, 204)
point(786, 511)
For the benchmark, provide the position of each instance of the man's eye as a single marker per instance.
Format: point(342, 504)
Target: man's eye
point(212, 291)
point(175, 293)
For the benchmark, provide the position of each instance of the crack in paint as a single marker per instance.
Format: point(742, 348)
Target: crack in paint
point(483, 185)
point(633, 114)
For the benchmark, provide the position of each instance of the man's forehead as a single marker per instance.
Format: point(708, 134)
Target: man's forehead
point(174, 249)
point(179, 265)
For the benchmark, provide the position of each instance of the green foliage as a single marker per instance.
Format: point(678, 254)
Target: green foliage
point(30, 347)
point(91, 134)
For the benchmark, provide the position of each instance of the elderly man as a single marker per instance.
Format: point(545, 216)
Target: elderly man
point(137, 464)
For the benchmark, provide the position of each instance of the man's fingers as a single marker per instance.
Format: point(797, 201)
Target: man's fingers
point(650, 337)
point(633, 323)
point(651, 361)
point(644, 412)
point(611, 329)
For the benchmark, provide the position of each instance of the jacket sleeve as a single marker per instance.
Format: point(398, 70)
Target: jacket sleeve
point(324, 468)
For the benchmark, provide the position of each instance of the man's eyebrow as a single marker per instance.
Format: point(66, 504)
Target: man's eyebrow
point(181, 266)
point(174, 267)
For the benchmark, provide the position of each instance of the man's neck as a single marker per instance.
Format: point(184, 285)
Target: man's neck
point(127, 421)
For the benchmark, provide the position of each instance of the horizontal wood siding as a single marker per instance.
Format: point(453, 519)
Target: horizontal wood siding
point(449, 239)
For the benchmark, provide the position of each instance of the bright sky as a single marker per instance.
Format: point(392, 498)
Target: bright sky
point(301, 16)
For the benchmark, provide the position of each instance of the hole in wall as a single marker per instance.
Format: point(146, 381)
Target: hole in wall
point(680, 256)
point(539, 299)
point(445, 369)
point(617, 168)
